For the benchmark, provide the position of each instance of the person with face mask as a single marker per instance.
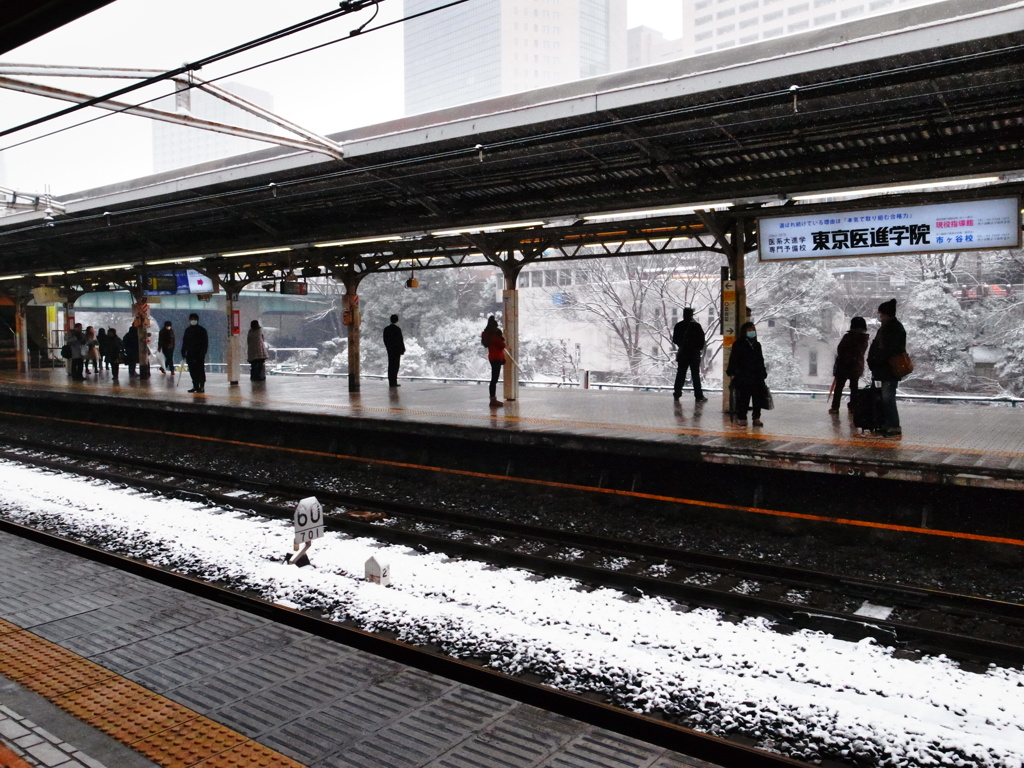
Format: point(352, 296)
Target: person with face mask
point(748, 372)
point(194, 344)
point(889, 341)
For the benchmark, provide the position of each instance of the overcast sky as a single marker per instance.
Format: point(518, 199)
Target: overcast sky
point(354, 82)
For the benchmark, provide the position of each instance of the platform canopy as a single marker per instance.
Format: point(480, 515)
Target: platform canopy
point(25, 20)
point(856, 105)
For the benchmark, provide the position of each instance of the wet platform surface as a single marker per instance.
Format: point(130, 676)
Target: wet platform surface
point(158, 677)
point(963, 443)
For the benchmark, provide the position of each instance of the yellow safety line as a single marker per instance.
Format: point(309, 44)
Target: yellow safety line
point(164, 731)
point(549, 483)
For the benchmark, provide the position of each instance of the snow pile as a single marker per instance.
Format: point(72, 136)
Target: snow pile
point(807, 695)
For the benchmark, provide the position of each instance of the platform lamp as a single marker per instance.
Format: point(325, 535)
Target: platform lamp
point(412, 282)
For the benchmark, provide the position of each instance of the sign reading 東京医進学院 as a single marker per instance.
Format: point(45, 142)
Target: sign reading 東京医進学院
point(962, 226)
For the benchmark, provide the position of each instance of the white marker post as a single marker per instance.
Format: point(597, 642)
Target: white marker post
point(309, 525)
point(378, 572)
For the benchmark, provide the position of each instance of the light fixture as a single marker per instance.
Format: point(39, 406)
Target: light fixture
point(360, 241)
point(675, 211)
point(900, 188)
point(256, 252)
point(487, 228)
point(50, 274)
point(175, 261)
point(11, 277)
point(108, 266)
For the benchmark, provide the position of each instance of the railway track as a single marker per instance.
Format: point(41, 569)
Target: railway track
point(917, 621)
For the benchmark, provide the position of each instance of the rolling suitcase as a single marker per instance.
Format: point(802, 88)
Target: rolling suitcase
point(867, 408)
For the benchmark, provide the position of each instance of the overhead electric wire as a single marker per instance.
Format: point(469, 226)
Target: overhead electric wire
point(181, 70)
point(189, 67)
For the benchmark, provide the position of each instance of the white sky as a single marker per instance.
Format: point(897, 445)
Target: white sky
point(354, 82)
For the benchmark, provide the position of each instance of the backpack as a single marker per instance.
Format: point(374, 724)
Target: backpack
point(65, 351)
point(485, 339)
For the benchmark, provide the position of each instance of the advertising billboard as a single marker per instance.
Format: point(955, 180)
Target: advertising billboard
point(961, 226)
point(169, 282)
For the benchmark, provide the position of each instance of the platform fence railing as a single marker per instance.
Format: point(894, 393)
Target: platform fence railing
point(813, 394)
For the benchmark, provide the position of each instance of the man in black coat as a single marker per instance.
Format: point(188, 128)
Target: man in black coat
point(891, 340)
point(395, 345)
point(688, 336)
point(194, 344)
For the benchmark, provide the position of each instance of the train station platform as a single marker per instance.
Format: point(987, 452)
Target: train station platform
point(104, 669)
point(963, 444)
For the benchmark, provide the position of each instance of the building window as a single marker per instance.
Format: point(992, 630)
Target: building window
point(726, 29)
point(773, 33)
point(702, 36)
point(773, 16)
point(812, 367)
point(748, 6)
point(748, 23)
point(857, 10)
point(725, 12)
point(827, 18)
point(703, 20)
point(799, 26)
point(795, 9)
point(748, 39)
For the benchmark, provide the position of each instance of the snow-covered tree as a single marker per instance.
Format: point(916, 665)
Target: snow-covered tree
point(938, 336)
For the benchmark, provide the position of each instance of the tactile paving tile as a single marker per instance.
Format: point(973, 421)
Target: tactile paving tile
point(168, 733)
point(10, 760)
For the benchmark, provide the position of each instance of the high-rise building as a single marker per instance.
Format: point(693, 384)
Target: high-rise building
point(714, 25)
point(177, 146)
point(491, 48)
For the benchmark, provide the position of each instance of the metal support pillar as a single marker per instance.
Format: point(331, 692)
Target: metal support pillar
point(353, 322)
point(21, 332)
point(140, 310)
point(510, 307)
point(234, 338)
point(737, 275)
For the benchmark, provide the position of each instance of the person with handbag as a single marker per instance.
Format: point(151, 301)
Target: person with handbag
point(748, 372)
point(887, 359)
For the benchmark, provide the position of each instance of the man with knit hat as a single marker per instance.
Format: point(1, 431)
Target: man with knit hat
point(890, 340)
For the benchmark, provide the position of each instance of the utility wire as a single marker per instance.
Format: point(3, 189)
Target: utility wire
point(347, 8)
point(113, 112)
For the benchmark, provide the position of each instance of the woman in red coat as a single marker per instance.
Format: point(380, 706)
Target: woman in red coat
point(494, 340)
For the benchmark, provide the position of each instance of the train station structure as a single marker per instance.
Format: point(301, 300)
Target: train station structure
point(675, 158)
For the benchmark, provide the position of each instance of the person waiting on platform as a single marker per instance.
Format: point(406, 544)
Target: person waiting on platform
point(688, 336)
point(92, 351)
point(494, 340)
point(166, 342)
point(115, 351)
point(76, 350)
point(395, 346)
point(889, 341)
point(131, 350)
point(849, 365)
point(256, 349)
point(194, 344)
point(748, 372)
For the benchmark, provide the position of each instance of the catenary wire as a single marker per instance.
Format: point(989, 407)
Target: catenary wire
point(110, 113)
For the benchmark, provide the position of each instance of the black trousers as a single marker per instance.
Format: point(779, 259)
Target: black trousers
point(394, 360)
point(258, 370)
point(691, 363)
point(837, 396)
point(197, 370)
point(495, 373)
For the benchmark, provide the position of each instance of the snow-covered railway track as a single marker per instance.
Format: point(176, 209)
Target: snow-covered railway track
point(919, 621)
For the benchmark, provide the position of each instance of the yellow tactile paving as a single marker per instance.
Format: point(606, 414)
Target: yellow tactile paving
point(165, 732)
point(10, 760)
